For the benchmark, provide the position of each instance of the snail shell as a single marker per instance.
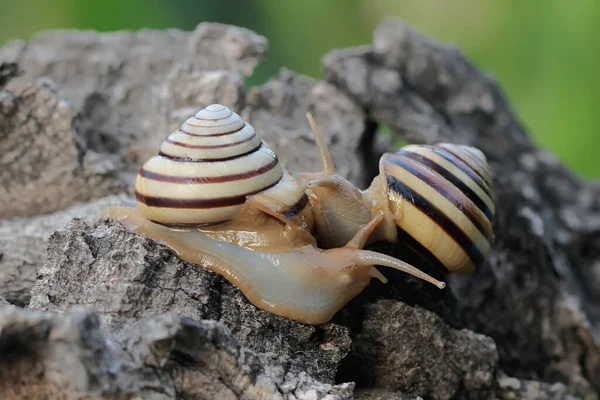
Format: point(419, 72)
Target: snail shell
point(206, 169)
point(441, 199)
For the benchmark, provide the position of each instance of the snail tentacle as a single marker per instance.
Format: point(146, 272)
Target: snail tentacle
point(366, 258)
point(370, 258)
point(362, 235)
point(327, 164)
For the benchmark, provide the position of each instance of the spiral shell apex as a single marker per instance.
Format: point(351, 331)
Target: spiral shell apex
point(205, 170)
point(442, 197)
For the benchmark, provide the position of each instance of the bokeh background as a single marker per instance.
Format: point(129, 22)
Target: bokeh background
point(544, 53)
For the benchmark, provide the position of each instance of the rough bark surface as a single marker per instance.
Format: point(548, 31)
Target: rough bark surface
point(80, 111)
point(23, 244)
point(43, 166)
point(70, 356)
point(513, 389)
point(125, 276)
point(278, 109)
point(413, 350)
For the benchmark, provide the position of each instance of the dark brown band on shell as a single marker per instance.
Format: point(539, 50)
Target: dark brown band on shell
point(189, 159)
point(418, 250)
point(211, 134)
point(439, 218)
point(167, 202)
point(216, 146)
point(471, 173)
point(297, 208)
point(208, 179)
point(451, 193)
point(467, 162)
point(450, 177)
point(188, 226)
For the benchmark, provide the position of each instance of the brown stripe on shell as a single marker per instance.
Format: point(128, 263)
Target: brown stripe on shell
point(450, 177)
point(469, 164)
point(216, 146)
point(167, 202)
point(460, 164)
point(190, 159)
point(187, 226)
point(474, 159)
point(297, 208)
point(419, 251)
point(212, 119)
point(439, 218)
point(211, 134)
point(450, 192)
point(208, 179)
point(471, 159)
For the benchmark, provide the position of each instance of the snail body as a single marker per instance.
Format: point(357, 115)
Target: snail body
point(256, 229)
point(435, 200)
point(303, 283)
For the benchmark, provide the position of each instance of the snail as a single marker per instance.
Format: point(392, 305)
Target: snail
point(436, 200)
point(217, 195)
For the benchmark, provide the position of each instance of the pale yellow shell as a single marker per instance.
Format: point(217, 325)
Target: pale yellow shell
point(442, 200)
point(206, 169)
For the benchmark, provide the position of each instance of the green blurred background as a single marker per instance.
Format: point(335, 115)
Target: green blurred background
point(543, 52)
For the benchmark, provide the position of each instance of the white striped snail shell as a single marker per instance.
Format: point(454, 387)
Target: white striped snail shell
point(205, 170)
point(442, 202)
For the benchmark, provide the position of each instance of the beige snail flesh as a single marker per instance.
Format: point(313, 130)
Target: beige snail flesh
point(436, 201)
point(302, 283)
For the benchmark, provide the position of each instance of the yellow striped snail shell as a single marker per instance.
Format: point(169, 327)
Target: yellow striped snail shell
point(441, 199)
point(217, 196)
point(206, 169)
point(436, 200)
